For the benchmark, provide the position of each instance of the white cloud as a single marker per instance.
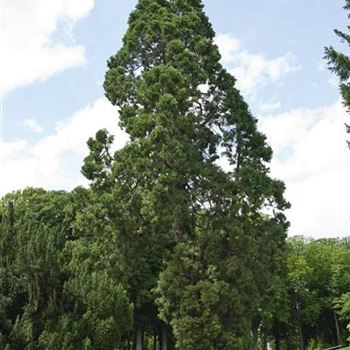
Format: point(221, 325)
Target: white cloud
point(54, 161)
point(312, 158)
point(28, 51)
point(251, 70)
point(228, 47)
point(32, 125)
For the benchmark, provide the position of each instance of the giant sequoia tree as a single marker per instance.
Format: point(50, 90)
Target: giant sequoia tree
point(190, 230)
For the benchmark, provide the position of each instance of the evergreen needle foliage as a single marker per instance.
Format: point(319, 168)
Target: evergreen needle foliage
point(339, 63)
point(192, 232)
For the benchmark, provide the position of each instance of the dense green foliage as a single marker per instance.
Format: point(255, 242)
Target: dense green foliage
point(60, 278)
point(66, 284)
point(339, 63)
point(318, 282)
point(183, 114)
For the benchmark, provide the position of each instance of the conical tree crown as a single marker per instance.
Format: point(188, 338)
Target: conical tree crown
point(185, 225)
point(176, 101)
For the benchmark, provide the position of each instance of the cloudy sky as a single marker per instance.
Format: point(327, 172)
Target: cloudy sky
point(52, 62)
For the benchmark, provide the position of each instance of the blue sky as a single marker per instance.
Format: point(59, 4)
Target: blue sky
point(52, 63)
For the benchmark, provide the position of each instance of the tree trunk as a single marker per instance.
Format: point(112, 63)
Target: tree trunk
point(300, 330)
point(276, 334)
point(155, 339)
point(277, 342)
point(254, 338)
point(264, 341)
point(164, 337)
point(139, 345)
point(338, 338)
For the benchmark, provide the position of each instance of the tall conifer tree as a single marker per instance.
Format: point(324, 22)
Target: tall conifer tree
point(179, 214)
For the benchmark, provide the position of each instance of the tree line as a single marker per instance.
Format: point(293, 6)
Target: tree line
point(180, 240)
point(67, 283)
